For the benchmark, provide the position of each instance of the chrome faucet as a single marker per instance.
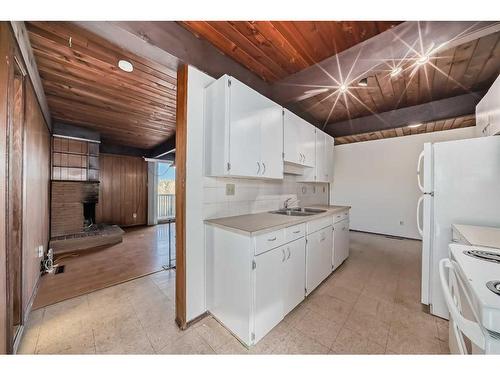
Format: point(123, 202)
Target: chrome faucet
point(290, 201)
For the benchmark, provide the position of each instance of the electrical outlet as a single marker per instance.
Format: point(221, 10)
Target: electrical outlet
point(40, 251)
point(230, 189)
point(134, 215)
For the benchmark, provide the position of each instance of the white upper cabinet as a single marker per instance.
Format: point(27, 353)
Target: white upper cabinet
point(243, 132)
point(299, 140)
point(323, 168)
point(488, 112)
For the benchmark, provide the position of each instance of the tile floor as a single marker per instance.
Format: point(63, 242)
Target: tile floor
point(370, 305)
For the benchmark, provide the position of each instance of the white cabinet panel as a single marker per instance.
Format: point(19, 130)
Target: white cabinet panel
point(488, 111)
point(340, 242)
point(271, 141)
point(269, 290)
point(299, 140)
point(318, 257)
point(246, 110)
point(329, 145)
point(243, 132)
point(294, 274)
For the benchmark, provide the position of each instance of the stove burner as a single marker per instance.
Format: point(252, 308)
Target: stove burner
point(484, 255)
point(494, 286)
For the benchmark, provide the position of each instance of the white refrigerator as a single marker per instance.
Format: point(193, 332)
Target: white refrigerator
point(460, 182)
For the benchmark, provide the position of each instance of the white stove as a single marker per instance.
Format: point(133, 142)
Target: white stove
point(478, 289)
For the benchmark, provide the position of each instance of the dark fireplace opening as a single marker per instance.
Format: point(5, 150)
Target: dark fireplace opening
point(88, 214)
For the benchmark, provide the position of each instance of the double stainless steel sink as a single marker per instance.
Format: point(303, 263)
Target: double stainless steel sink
point(298, 211)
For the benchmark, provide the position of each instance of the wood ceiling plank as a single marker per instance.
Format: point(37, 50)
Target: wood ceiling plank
point(480, 56)
point(278, 41)
point(225, 45)
point(461, 60)
point(491, 67)
point(241, 36)
point(102, 49)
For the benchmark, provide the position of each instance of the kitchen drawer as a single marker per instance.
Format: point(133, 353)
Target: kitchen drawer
point(295, 232)
point(315, 225)
point(268, 241)
point(339, 216)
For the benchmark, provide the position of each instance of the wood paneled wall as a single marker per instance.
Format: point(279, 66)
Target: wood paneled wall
point(122, 190)
point(35, 189)
point(36, 192)
point(5, 53)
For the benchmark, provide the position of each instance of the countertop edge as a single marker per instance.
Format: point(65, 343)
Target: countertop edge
point(296, 221)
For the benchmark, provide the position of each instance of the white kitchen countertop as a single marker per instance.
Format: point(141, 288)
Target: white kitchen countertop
point(254, 224)
point(479, 236)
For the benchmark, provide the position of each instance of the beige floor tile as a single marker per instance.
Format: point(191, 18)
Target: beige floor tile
point(31, 333)
point(351, 342)
point(442, 329)
point(273, 340)
point(368, 326)
point(297, 343)
point(377, 308)
point(122, 335)
point(161, 332)
point(402, 343)
point(296, 314)
point(233, 346)
point(344, 293)
point(213, 333)
point(329, 307)
point(318, 328)
point(190, 343)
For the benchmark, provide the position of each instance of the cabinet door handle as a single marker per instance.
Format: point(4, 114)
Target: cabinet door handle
point(297, 231)
point(272, 239)
point(289, 254)
point(264, 170)
point(304, 158)
point(284, 255)
point(258, 167)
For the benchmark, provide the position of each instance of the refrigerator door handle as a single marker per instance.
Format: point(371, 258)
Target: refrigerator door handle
point(419, 204)
point(419, 163)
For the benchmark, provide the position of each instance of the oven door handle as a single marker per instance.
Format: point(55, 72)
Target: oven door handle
point(469, 328)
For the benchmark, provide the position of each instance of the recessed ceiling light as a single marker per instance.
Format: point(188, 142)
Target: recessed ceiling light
point(363, 82)
point(126, 66)
point(396, 71)
point(415, 125)
point(423, 60)
point(343, 88)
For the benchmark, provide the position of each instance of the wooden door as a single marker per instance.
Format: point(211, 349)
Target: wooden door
point(269, 290)
point(294, 274)
point(15, 200)
point(246, 106)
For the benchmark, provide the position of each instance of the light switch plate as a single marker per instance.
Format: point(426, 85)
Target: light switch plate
point(40, 251)
point(230, 189)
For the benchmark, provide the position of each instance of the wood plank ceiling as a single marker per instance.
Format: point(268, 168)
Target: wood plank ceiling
point(85, 87)
point(275, 49)
point(470, 67)
point(432, 126)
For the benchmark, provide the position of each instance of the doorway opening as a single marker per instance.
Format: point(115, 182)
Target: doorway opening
point(165, 212)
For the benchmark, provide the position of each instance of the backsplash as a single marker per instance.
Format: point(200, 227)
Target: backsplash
point(254, 196)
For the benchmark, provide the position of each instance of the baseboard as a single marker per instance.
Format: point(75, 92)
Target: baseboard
point(386, 235)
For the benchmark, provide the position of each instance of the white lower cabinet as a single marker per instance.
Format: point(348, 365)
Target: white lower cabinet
point(269, 290)
point(279, 284)
point(253, 282)
point(318, 257)
point(340, 242)
point(295, 274)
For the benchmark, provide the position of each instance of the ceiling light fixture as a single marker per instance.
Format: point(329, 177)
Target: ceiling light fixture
point(415, 125)
point(126, 66)
point(363, 82)
point(423, 60)
point(396, 71)
point(343, 88)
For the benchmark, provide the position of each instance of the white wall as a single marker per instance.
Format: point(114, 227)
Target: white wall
point(195, 244)
point(378, 179)
point(205, 196)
